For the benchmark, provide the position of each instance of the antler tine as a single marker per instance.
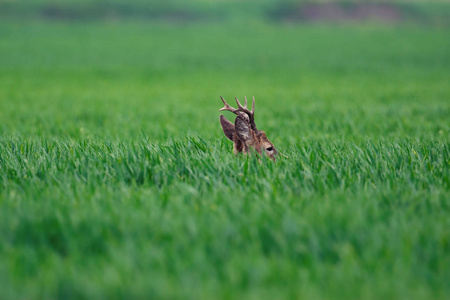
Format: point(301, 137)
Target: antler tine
point(227, 107)
point(250, 113)
point(240, 107)
point(253, 105)
point(245, 108)
point(242, 111)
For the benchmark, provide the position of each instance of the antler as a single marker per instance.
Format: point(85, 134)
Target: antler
point(242, 111)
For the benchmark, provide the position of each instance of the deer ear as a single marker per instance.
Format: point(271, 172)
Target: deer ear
point(227, 127)
point(243, 129)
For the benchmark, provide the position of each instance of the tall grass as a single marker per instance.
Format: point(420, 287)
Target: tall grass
point(117, 182)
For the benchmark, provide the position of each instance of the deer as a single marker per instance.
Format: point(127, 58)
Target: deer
point(243, 132)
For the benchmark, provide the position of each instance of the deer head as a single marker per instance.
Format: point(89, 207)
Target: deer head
point(243, 132)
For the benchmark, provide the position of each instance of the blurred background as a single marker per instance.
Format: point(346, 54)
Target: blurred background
point(116, 180)
point(221, 10)
point(114, 68)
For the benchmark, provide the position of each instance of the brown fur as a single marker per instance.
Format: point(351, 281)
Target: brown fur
point(245, 139)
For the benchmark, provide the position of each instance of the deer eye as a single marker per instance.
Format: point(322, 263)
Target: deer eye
point(269, 149)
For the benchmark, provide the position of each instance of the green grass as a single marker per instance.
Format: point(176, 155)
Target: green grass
point(116, 180)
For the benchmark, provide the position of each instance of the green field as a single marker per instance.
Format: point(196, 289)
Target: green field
point(116, 180)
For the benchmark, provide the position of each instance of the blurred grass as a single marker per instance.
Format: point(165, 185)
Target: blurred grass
point(188, 219)
point(116, 180)
point(353, 81)
point(177, 11)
